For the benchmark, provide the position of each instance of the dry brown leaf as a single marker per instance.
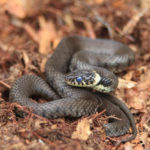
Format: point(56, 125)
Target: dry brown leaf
point(46, 34)
point(126, 84)
point(83, 130)
point(89, 28)
point(25, 58)
point(16, 8)
point(129, 27)
point(54, 126)
point(137, 97)
point(19, 145)
point(119, 4)
point(138, 147)
point(128, 146)
point(128, 76)
point(137, 100)
point(30, 31)
point(143, 137)
point(144, 81)
point(15, 71)
point(3, 2)
point(134, 47)
point(99, 1)
point(68, 20)
point(146, 127)
point(24, 8)
point(42, 65)
point(55, 42)
point(145, 3)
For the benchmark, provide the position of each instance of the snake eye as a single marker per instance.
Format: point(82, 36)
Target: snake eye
point(79, 79)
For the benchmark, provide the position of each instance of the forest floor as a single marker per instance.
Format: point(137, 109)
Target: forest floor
point(30, 32)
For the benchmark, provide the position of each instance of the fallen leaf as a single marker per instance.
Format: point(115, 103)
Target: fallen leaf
point(83, 130)
point(138, 147)
point(16, 8)
point(46, 34)
point(3, 2)
point(144, 137)
point(99, 1)
point(68, 20)
point(128, 76)
point(56, 42)
point(137, 97)
point(42, 64)
point(24, 8)
point(126, 84)
point(129, 27)
point(144, 81)
point(89, 28)
point(25, 58)
point(128, 146)
point(119, 4)
point(145, 3)
point(54, 126)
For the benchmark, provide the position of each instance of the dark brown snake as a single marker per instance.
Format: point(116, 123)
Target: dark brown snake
point(71, 101)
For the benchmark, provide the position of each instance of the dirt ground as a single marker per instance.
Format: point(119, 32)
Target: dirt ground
point(29, 33)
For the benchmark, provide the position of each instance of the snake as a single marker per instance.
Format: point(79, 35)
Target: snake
point(79, 74)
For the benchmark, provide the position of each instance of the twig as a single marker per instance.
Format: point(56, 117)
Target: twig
point(43, 139)
point(111, 139)
point(89, 29)
point(113, 117)
point(129, 27)
point(27, 110)
point(5, 84)
point(94, 116)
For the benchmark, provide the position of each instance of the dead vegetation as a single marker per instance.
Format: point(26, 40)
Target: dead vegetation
point(30, 31)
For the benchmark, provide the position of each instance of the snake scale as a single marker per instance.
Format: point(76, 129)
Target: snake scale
point(69, 101)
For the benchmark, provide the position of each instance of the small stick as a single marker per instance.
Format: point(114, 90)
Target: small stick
point(43, 139)
point(5, 84)
point(129, 27)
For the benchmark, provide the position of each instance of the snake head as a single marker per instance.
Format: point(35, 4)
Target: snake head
point(89, 78)
point(81, 78)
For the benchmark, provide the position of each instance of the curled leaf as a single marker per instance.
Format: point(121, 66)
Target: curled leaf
point(83, 130)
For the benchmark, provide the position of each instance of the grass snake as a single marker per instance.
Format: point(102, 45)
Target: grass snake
point(82, 56)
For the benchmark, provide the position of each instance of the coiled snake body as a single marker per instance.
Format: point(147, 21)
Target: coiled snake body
point(76, 101)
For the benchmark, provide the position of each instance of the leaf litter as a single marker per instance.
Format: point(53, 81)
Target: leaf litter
point(31, 30)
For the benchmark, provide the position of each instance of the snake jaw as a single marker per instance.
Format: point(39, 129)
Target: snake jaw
point(105, 85)
point(103, 89)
